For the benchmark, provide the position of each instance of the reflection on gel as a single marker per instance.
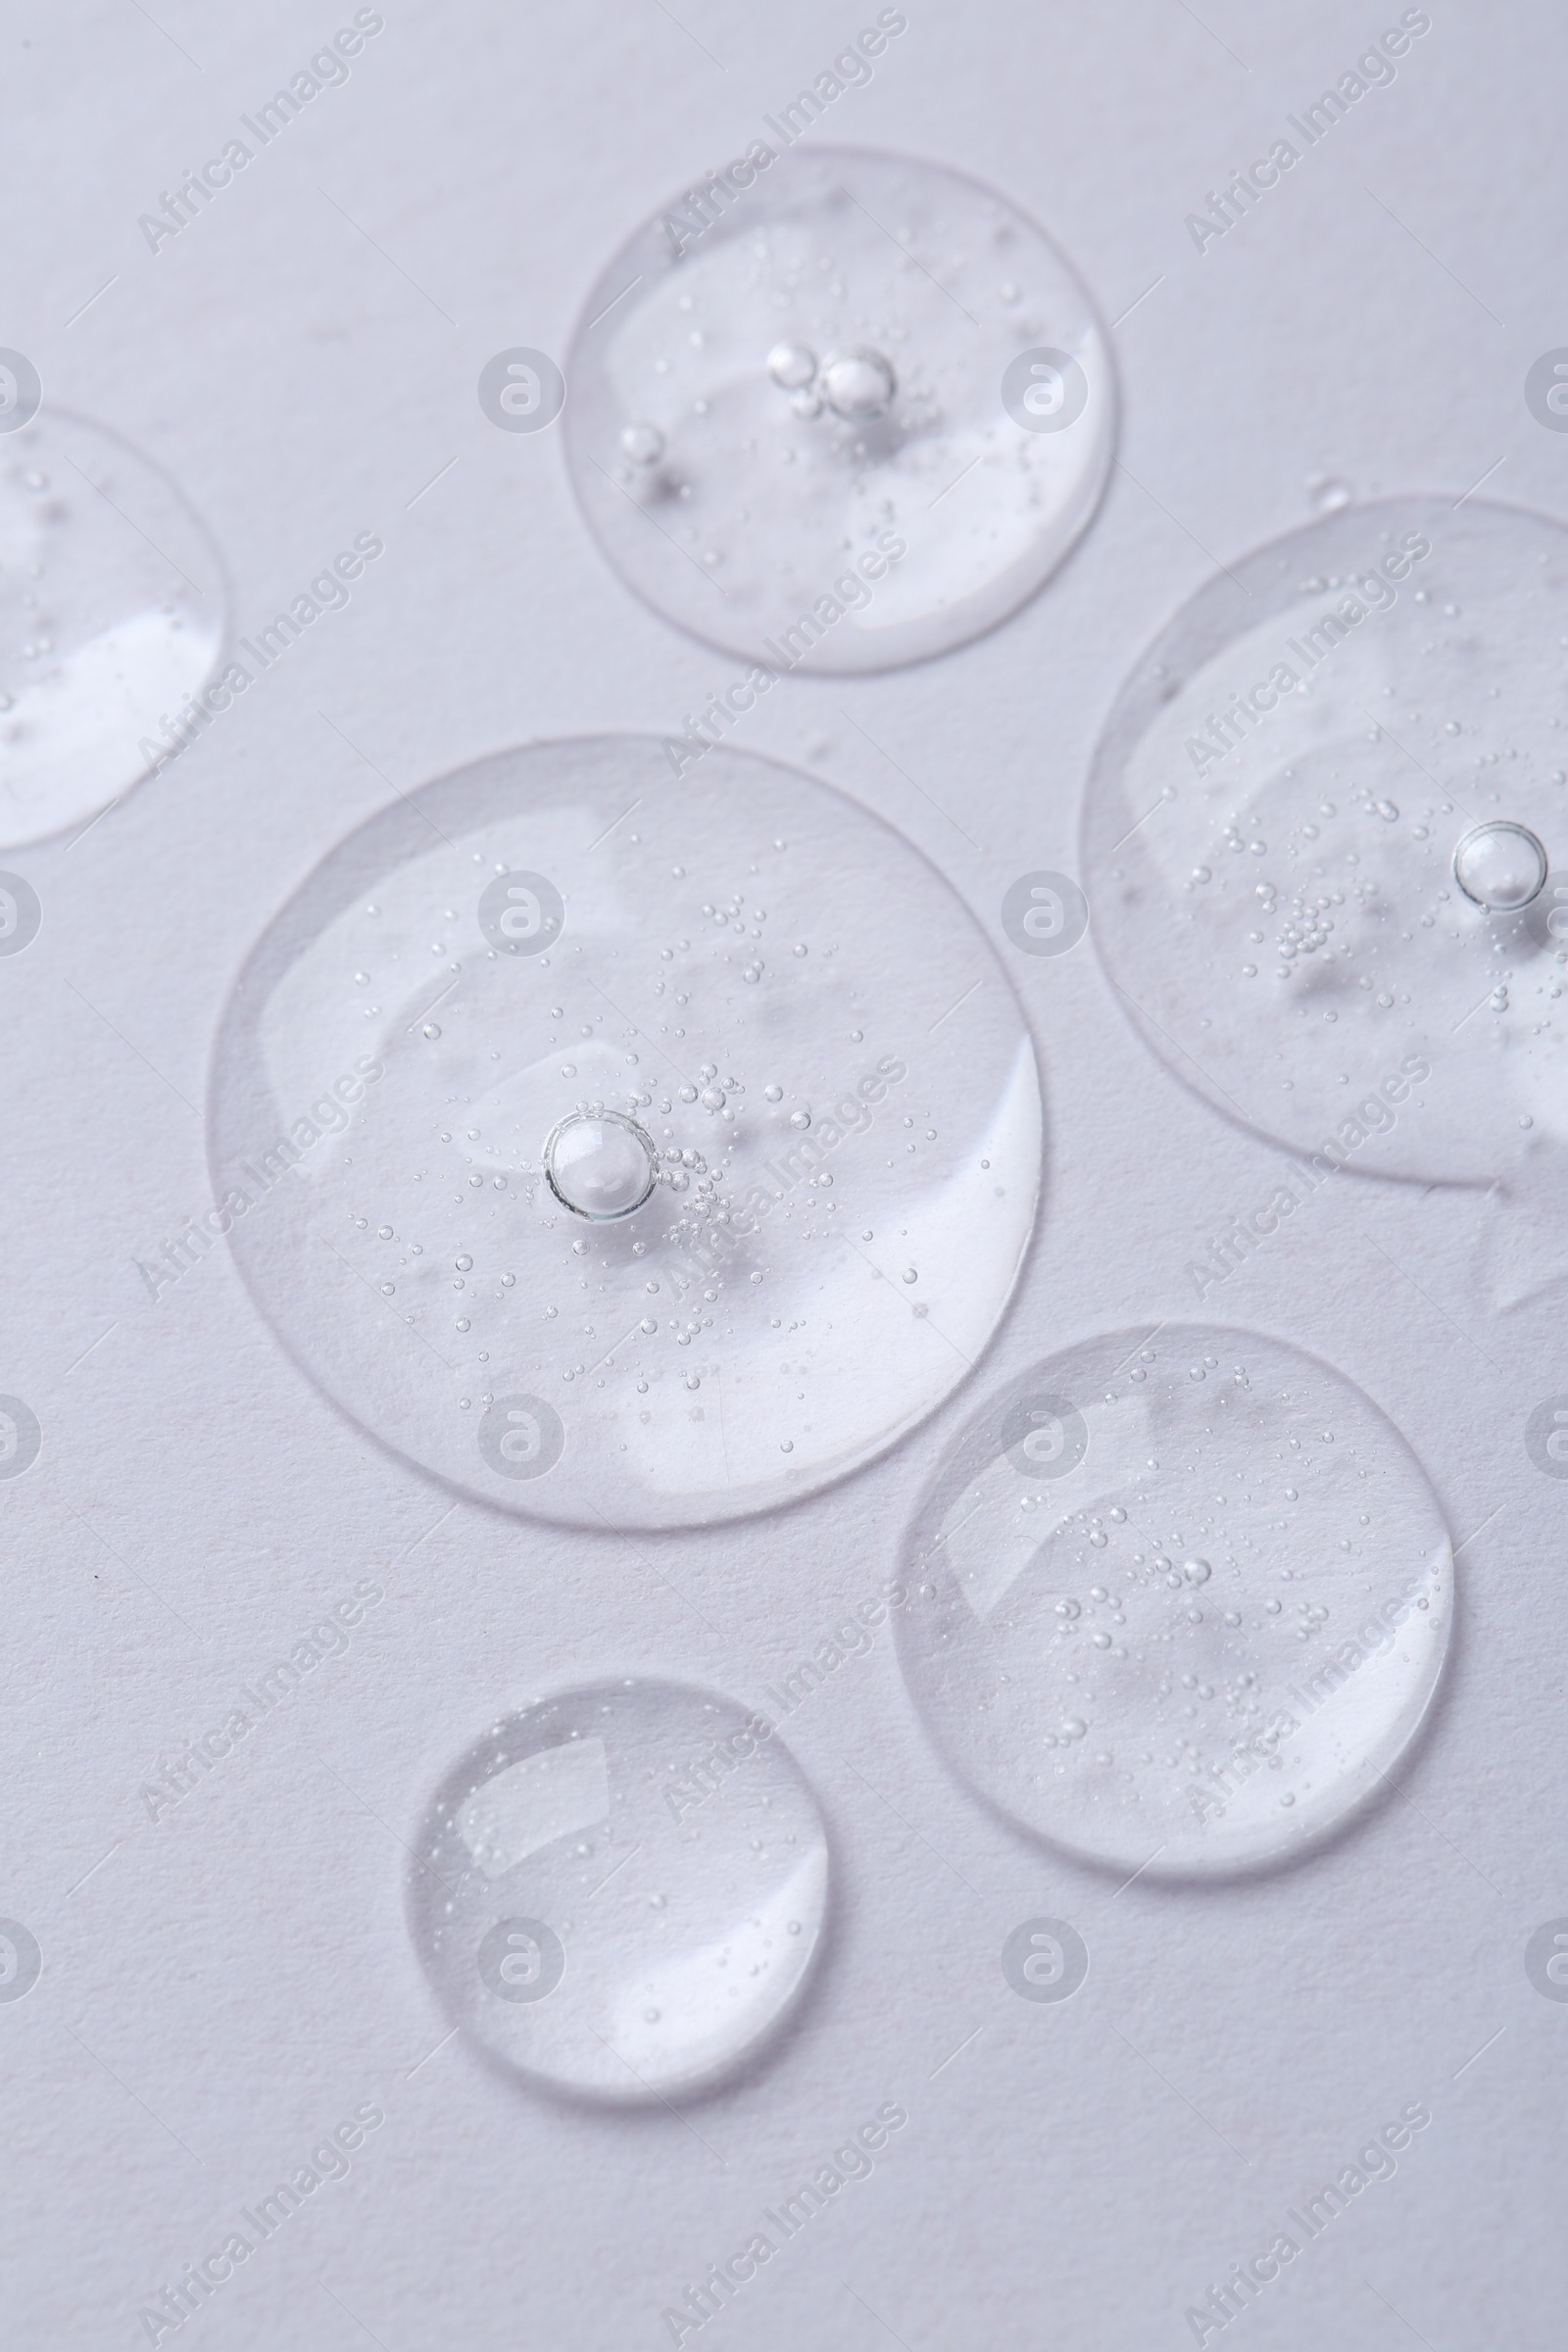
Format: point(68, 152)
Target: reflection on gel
point(601, 1164)
point(1501, 865)
point(1203, 1646)
point(112, 618)
point(1326, 842)
point(794, 427)
point(620, 1892)
point(655, 1153)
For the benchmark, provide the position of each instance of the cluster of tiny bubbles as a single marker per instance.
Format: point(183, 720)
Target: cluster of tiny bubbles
point(1108, 1656)
point(620, 1892)
point(639, 1168)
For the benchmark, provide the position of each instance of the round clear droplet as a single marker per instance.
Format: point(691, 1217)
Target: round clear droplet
point(1501, 865)
point(619, 1891)
point(871, 454)
point(1328, 492)
point(113, 613)
point(1306, 1671)
point(577, 946)
point(1341, 733)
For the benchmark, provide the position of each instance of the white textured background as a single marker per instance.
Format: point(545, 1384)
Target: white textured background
point(229, 1983)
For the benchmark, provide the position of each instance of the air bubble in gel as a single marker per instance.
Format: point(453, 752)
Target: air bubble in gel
point(1503, 866)
point(601, 1164)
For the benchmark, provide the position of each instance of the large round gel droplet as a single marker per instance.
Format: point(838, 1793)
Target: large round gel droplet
point(1326, 840)
point(113, 608)
point(601, 1163)
point(886, 405)
point(591, 1119)
point(620, 1892)
point(1178, 1602)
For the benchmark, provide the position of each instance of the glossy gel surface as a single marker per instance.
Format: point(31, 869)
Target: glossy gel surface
point(1177, 1603)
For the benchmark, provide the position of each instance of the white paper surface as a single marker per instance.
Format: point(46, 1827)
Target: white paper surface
point(227, 1983)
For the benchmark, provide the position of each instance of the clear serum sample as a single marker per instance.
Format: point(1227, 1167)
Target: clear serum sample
point(681, 1173)
point(839, 410)
point(113, 613)
point(1179, 1602)
point(1326, 842)
point(620, 1892)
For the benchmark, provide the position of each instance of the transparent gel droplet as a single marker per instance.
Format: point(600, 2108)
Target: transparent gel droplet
point(620, 1892)
point(112, 612)
point(1155, 1724)
point(845, 481)
point(1328, 493)
point(671, 1315)
point(1326, 849)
